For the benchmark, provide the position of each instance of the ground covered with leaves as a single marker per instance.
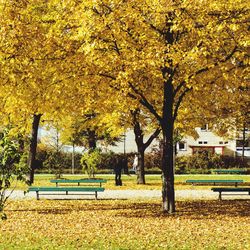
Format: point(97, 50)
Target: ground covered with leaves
point(125, 224)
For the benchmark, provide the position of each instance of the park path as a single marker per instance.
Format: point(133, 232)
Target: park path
point(126, 194)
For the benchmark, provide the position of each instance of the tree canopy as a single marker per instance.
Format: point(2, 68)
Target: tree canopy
point(81, 57)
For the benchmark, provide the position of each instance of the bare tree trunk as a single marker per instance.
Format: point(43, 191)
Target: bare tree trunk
point(92, 139)
point(167, 123)
point(244, 141)
point(141, 146)
point(141, 167)
point(33, 147)
point(73, 158)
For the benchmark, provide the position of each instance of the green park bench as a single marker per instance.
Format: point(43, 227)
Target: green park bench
point(229, 171)
point(214, 182)
point(66, 190)
point(231, 190)
point(79, 181)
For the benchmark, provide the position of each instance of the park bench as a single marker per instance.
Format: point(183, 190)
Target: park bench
point(66, 190)
point(229, 171)
point(79, 181)
point(231, 190)
point(214, 182)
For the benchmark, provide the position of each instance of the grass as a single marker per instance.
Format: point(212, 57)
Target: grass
point(153, 182)
point(125, 224)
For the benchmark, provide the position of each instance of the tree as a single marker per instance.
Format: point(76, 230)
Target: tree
point(158, 52)
point(141, 145)
point(33, 83)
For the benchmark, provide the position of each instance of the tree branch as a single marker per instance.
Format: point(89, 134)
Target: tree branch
point(152, 137)
point(179, 102)
point(145, 102)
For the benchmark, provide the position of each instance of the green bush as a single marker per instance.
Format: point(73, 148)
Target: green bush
point(12, 165)
point(204, 162)
point(54, 163)
point(90, 161)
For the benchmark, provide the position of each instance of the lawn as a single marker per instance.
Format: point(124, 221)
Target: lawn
point(125, 224)
point(153, 182)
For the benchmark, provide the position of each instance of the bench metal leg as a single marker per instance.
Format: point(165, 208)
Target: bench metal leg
point(37, 195)
point(220, 195)
point(96, 195)
point(67, 192)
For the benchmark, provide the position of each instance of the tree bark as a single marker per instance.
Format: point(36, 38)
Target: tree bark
point(91, 139)
point(141, 146)
point(141, 167)
point(167, 124)
point(33, 148)
point(244, 141)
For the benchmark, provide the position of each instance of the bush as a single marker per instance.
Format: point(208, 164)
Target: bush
point(204, 162)
point(12, 164)
point(90, 161)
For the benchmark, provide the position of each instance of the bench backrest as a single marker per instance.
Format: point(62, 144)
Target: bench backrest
point(79, 181)
point(59, 189)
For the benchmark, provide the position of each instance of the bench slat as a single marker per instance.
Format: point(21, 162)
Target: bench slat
point(65, 189)
point(214, 181)
point(230, 171)
point(78, 181)
point(231, 190)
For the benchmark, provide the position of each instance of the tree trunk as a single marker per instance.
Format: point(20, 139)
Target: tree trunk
point(167, 123)
point(33, 147)
point(168, 194)
point(141, 167)
point(140, 147)
point(73, 158)
point(244, 141)
point(91, 139)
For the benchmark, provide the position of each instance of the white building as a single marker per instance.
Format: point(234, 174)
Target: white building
point(208, 141)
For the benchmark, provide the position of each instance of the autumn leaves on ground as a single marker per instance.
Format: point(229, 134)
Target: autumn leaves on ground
point(125, 224)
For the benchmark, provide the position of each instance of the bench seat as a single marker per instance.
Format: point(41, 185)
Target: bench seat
point(79, 181)
point(231, 190)
point(230, 171)
point(66, 190)
point(214, 182)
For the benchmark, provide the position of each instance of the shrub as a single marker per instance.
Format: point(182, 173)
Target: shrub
point(90, 160)
point(12, 164)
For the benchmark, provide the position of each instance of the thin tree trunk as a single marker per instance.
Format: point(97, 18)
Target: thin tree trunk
point(73, 158)
point(141, 168)
point(33, 148)
point(141, 146)
point(244, 141)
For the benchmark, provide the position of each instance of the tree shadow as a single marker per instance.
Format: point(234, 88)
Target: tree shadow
point(140, 209)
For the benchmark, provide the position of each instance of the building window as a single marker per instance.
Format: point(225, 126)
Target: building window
point(199, 142)
point(239, 143)
point(205, 142)
point(182, 145)
point(220, 142)
point(204, 127)
point(226, 142)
